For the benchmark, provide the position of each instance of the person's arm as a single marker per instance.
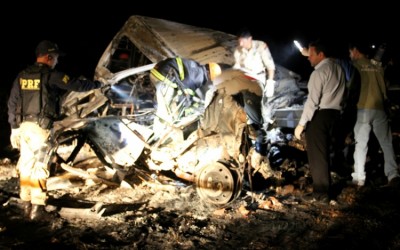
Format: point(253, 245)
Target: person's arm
point(271, 74)
point(312, 103)
point(14, 108)
point(382, 84)
point(313, 98)
point(63, 81)
point(268, 61)
point(353, 89)
point(236, 55)
point(14, 114)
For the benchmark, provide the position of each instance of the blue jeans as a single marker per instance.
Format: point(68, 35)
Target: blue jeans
point(376, 120)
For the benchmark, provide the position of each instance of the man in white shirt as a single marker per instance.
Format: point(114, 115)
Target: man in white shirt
point(254, 57)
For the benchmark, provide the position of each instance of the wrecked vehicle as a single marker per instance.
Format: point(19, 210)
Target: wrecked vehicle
point(211, 147)
point(144, 40)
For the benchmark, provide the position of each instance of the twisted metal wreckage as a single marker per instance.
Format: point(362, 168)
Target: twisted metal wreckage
point(210, 147)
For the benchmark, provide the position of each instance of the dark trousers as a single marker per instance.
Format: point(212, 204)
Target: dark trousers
point(319, 138)
point(252, 107)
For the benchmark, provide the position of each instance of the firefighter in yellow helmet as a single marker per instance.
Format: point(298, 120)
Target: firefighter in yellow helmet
point(176, 80)
point(214, 70)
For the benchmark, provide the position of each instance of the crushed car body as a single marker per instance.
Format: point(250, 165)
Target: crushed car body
point(211, 147)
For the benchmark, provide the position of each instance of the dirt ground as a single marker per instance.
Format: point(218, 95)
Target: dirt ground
point(157, 212)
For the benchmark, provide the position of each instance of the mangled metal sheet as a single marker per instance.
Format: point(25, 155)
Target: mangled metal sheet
point(157, 39)
point(120, 140)
point(145, 41)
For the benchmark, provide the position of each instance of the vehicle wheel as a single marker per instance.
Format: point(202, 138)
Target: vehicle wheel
point(217, 183)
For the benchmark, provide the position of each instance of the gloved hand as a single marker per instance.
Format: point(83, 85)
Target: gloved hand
point(15, 138)
point(297, 131)
point(270, 88)
point(40, 171)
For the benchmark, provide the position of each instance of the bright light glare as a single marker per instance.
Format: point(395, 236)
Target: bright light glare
point(119, 91)
point(298, 45)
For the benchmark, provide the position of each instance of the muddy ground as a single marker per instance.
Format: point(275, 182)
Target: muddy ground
point(158, 212)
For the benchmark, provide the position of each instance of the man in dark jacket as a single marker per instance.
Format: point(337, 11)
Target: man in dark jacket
point(33, 106)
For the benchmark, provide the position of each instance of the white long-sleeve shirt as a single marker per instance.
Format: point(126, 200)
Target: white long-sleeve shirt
point(325, 89)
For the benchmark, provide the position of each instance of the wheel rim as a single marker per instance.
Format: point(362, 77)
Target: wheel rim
point(215, 183)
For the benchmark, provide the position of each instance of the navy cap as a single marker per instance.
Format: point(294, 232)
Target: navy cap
point(46, 47)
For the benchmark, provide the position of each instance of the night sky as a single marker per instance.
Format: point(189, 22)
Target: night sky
point(84, 33)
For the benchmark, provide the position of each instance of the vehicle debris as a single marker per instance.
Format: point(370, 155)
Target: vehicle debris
point(200, 149)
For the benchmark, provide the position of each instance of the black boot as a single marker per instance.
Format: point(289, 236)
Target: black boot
point(38, 213)
point(27, 207)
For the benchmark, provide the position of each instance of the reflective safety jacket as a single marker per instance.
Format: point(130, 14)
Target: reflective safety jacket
point(37, 91)
point(174, 71)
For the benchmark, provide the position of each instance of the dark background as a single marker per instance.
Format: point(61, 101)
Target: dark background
point(84, 32)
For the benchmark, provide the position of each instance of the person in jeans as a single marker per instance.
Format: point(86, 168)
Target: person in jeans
point(371, 115)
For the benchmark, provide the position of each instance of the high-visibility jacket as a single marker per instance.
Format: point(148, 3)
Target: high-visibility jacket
point(187, 72)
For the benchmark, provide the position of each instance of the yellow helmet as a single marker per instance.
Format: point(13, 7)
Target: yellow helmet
point(215, 70)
